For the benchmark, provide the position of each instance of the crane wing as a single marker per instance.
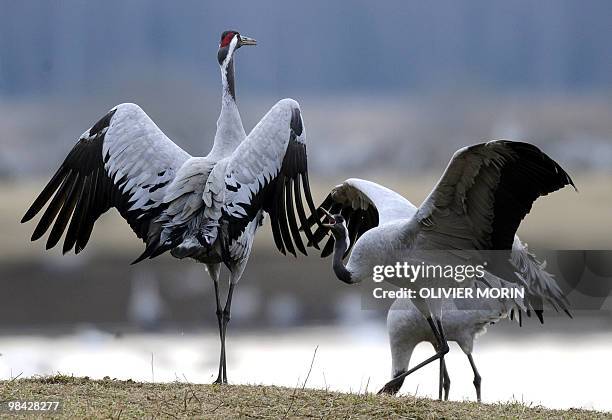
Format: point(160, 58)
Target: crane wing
point(268, 171)
point(124, 161)
point(364, 205)
point(485, 192)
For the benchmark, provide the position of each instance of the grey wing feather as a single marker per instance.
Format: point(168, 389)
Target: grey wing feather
point(269, 171)
point(123, 161)
point(485, 192)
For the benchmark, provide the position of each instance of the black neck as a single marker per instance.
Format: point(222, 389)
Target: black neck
point(340, 247)
point(229, 76)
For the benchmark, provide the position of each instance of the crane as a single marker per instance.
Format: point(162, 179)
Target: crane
point(476, 206)
point(203, 208)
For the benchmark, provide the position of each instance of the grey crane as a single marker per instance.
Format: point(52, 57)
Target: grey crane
point(405, 324)
point(204, 208)
point(465, 319)
point(476, 206)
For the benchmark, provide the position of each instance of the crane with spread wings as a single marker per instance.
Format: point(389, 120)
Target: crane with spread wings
point(204, 208)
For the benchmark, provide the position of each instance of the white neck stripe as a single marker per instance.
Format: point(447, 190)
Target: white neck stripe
point(230, 52)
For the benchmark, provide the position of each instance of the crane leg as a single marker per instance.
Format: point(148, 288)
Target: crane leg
point(444, 373)
point(447, 383)
point(226, 318)
point(477, 378)
point(440, 352)
point(444, 381)
point(219, 379)
point(441, 379)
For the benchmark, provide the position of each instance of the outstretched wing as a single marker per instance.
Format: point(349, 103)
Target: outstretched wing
point(268, 171)
point(124, 161)
point(485, 192)
point(364, 205)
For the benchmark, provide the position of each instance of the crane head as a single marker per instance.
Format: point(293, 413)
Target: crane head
point(336, 224)
point(230, 42)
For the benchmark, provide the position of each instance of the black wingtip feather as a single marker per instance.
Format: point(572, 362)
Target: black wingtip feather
point(149, 252)
point(65, 213)
point(276, 235)
point(540, 314)
point(295, 232)
point(45, 194)
point(308, 195)
point(302, 214)
point(54, 207)
point(77, 217)
point(525, 173)
point(145, 254)
point(326, 204)
point(282, 219)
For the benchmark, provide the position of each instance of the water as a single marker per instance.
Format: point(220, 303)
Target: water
point(550, 370)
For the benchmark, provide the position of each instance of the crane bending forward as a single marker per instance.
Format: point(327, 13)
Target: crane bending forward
point(476, 206)
point(366, 205)
point(205, 208)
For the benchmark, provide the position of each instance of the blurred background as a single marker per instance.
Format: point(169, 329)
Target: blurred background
point(388, 91)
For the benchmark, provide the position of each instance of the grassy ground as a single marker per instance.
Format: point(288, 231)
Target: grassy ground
point(82, 397)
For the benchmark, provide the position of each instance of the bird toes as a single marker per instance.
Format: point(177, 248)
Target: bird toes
point(391, 388)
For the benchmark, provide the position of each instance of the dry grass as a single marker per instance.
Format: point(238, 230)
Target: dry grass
point(85, 398)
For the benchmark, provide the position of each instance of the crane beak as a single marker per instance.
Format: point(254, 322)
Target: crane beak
point(332, 220)
point(245, 40)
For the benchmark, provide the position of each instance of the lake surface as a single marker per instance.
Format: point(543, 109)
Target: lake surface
point(558, 371)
